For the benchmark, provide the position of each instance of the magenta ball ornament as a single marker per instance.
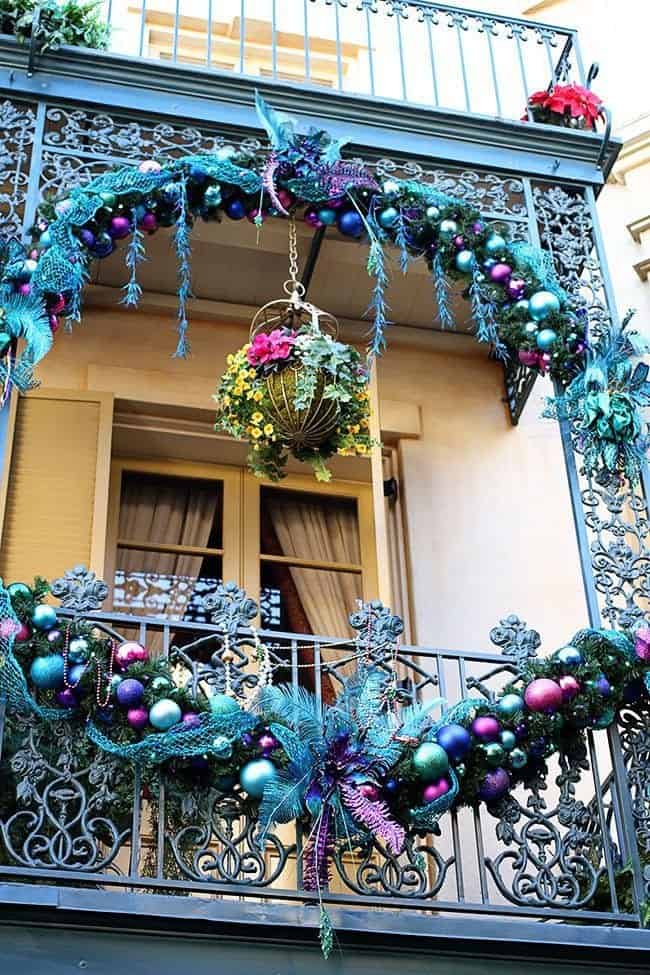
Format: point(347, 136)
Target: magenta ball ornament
point(129, 693)
point(130, 653)
point(119, 227)
point(486, 728)
point(543, 696)
point(494, 785)
point(459, 242)
point(527, 358)
point(256, 215)
point(57, 305)
point(23, 633)
point(24, 289)
point(569, 687)
point(267, 742)
point(137, 718)
point(312, 219)
point(286, 198)
point(435, 789)
point(149, 222)
point(500, 273)
point(369, 791)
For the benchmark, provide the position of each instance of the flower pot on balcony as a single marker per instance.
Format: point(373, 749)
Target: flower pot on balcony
point(301, 428)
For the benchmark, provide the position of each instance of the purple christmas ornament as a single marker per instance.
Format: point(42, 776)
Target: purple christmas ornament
point(119, 227)
point(54, 636)
point(494, 785)
point(87, 238)
point(603, 686)
point(24, 289)
point(191, 720)
point(66, 698)
point(642, 643)
point(486, 728)
point(478, 227)
point(311, 218)
point(129, 693)
point(569, 687)
point(500, 273)
point(459, 242)
point(434, 790)
point(267, 742)
point(369, 791)
point(130, 653)
point(521, 731)
point(516, 289)
point(137, 718)
point(149, 223)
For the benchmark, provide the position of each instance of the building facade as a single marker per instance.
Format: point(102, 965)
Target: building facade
point(473, 509)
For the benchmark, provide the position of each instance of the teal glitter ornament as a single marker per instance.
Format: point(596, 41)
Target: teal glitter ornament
point(495, 245)
point(518, 758)
point(546, 339)
point(570, 656)
point(108, 199)
point(432, 214)
point(448, 229)
point(161, 683)
point(521, 308)
point(78, 650)
point(18, 589)
point(212, 197)
point(256, 775)
point(327, 216)
point(221, 747)
point(508, 740)
point(430, 761)
point(465, 261)
point(494, 754)
point(223, 704)
point(44, 618)
point(46, 673)
point(510, 705)
point(542, 304)
point(164, 714)
point(388, 217)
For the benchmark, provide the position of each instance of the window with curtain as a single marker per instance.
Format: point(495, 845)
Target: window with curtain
point(169, 544)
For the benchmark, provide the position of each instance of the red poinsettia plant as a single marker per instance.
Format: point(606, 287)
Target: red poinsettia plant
point(573, 106)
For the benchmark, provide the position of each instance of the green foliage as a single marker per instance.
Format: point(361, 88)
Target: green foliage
point(71, 22)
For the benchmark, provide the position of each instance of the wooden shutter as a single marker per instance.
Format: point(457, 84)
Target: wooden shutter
point(57, 491)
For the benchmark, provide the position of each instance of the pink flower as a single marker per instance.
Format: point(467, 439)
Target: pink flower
point(274, 347)
point(642, 643)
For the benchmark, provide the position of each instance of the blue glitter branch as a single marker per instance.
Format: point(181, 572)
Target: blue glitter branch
point(183, 252)
point(441, 287)
point(135, 255)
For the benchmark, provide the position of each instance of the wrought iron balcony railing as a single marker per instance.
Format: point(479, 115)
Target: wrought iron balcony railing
point(413, 51)
point(573, 848)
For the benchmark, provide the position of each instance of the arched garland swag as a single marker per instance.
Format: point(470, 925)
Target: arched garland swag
point(517, 303)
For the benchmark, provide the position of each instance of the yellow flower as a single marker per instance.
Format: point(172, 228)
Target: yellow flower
point(258, 395)
point(230, 358)
point(354, 428)
point(268, 429)
point(256, 433)
point(362, 395)
point(365, 423)
point(251, 374)
point(362, 449)
point(237, 391)
point(257, 417)
point(226, 400)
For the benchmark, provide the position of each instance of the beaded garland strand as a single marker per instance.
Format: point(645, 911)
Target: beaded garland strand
point(516, 301)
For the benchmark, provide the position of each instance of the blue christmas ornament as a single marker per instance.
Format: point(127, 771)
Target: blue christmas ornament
point(570, 657)
point(103, 246)
point(520, 308)
point(495, 245)
point(74, 676)
point(327, 216)
point(163, 714)
point(18, 589)
point(350, 223)
point(221, 747)
point(223, 704)
point(235, 209)
point(212, 196)
point(388, 217)
point(430, 761)
point(448, 229)
point(510, 705)
point(546, 339)
point(455, 740)
point(255, 775)
point(78, 650)
point(603, 686)
point(391, 786)
point(508, 740)
point(44, 617)
point(432, 214)
point(198, 174)
point(465, 261)
point(542, 304)
point(161, 683)
point(518, 758)
point(46, 673)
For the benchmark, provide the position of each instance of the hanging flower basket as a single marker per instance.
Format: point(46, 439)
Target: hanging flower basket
point(294, 389)
point(572, 106)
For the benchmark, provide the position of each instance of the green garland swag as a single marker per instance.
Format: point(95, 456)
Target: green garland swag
point(367, 768)
point(516, 301)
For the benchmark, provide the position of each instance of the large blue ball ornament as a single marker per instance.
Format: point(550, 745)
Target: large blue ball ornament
point(542, 304)
point(235, 209)
point(78, 650)
point(495, 245)
point(546, 339)
point(510, 705)
point(255, 776)
point(164, 714)
point(455, 740)
point(465, 261)
point(46, 673)
point(448, 229)
point(129, 693)
point(388, 217)
point(44, 618)
point(570, 657)
point(223, 704)
point(350, 223)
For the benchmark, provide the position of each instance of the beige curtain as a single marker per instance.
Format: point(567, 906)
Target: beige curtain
point(327, 532)
point(173, 511)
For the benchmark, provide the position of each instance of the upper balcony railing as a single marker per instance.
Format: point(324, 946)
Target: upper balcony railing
point(410, 51)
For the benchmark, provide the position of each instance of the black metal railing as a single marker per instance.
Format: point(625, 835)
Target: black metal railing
point(574, 846)
point(414, 51)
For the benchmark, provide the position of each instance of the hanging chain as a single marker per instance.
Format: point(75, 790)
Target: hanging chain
point(293, 286)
